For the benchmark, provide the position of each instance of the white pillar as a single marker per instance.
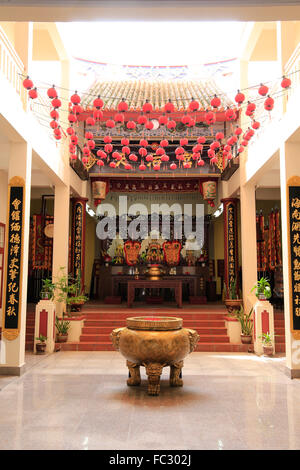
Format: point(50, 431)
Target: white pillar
point(248, 239)
point(61, 231)
point(3, 209)
point(19, 165)
point(289, 167)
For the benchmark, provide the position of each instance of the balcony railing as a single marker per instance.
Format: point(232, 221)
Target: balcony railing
point(11, 67)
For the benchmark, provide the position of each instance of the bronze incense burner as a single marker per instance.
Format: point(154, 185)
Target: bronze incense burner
point(155, 343)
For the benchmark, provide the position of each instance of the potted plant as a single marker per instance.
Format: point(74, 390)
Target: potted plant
point(47, 292)
point(62, 327)
point(232, 297)
point(41, 346)
point(267, 342)
point(263, 289)
point(245, 320)
point(68, 291)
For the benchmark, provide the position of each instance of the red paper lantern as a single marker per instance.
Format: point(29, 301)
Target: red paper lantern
point(156, 167)
point(215, 145)
point(210, 118)
point(142, 167)
point(186, 119)
point(286, 82)
point(149, 158)
point(74, 139)
point(33, 93)
point(133, 157)
point(97, 114)
point(53, 124)
point(52, 93)
point(160, 151)
point(200, 162)
point(98, 103)
point(241, 149)
point(57, 131)
point(214, 160)
point(117, 156)
point(123, 106)
point(54, 114)
point(88, 135)
point(91, 144)
point(72, 148)
point(244, 143)
point(110, 123)
point(112, 165)
point(227, 148)
point(192, 123)
point(238, 131)
point(165, 158)
point(84, 160)
point(211, 153)
point(108, 148)
point(229, 156)
point(269, 104)
point(143, 143)
point(75, 99)
point(173, 166)
point(142, 119)
point(194, 105)
point(196, 156)
point(128, 166)
point(56, 103)
point(163, 120)
point(70, 130)
point(250, 108)
point(72, 118)
point(230, 115)
point(126, 150)
point(27, 83)
point(263, 90)
point(197, 148)
point(124, 141)
point(169, 107)
point(119, 117)
point(149, 125)
point(179, 151)
point(180, 157)
point(171, 124)
point(201, 139)
point(164, 143)
point(73, 156)
point(101, 154)
point(219, 135)
point(239, 98)
point(183, 142)
point(100, 162)
point(90, 121)
point(215, 102)
point(147, 107)
point(131, 125)
point(255, 125)
point(107, 139)
point(142, 152)
point(86, 151)
point(187, 165)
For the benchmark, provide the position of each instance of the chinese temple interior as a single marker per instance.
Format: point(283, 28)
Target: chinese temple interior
point(149, 226)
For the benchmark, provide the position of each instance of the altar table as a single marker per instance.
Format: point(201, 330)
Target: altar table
point(154, 284)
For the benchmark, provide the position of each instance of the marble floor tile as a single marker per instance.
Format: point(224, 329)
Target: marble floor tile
point(80, 400)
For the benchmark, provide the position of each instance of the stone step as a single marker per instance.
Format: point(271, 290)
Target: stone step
point(92, 330)
point(186, 323)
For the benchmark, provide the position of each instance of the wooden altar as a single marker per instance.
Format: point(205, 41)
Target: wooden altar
point(164, 283)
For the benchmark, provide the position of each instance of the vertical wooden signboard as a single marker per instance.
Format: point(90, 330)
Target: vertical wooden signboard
point(293, 222)
point(230, 243)
point(13, 261)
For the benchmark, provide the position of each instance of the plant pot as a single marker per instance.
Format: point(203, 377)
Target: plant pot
point(246, 339)
point(261, 297)
point(268, 350)
point(40, 348)
point(233, 304)
point(45, 296)
point(62, 338)
point(76, 307)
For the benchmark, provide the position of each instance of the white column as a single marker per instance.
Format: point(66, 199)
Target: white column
point(248, 239)
point(61, 231)
point(3, 209)
point(19, 165)
point(289, 166)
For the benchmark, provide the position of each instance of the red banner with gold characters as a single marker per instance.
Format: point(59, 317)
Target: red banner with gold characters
point(132, 249)
point(14, 248)
point(172, 252)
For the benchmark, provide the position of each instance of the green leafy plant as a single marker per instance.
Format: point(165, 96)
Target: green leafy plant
point(41, 338)
point(68, 290)
point(62, 326)
point(48, 287)
point(245, 320)
point(267, 339)
point(262, 287)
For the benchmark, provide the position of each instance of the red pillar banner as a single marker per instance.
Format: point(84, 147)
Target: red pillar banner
point(78, 238)
point(230, 243)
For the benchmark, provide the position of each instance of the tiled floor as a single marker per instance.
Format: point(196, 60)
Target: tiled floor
point(80, 400)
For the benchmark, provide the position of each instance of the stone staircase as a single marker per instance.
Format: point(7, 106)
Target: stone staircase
point(208, 321)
